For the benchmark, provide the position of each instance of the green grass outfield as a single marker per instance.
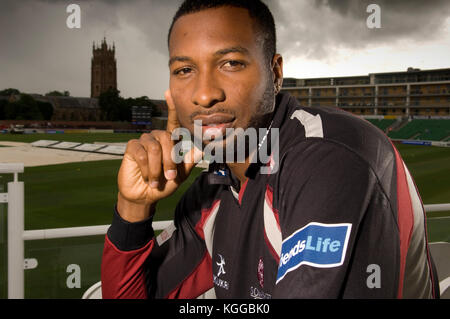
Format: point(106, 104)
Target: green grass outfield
point(70, 137)
point(83, 194)
point(430, 168)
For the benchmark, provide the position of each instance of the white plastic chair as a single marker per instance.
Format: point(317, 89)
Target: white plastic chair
point(93, 292)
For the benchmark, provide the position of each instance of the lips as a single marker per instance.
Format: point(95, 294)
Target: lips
point(215, 125)
point(214, 119)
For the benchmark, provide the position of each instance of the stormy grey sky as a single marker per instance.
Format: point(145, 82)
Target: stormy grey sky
point(317, 38)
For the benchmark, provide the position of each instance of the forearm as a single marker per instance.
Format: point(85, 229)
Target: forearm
point(134, 212)
point(127, 247)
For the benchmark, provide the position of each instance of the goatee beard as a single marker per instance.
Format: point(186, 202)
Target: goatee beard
point(258, 122)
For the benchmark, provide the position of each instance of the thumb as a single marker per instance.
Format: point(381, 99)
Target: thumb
point(172, 118)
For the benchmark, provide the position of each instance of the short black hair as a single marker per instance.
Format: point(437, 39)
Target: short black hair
point(256, 9)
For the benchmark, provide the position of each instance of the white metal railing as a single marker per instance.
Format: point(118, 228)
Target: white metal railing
point(15, 199)
point(436, 208)
point(79, 231)
point(17, 235)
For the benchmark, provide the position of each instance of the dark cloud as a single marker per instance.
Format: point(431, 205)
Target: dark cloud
point(315, 28)
point(39, 53)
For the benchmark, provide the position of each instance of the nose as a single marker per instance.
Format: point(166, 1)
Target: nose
point(207, 91)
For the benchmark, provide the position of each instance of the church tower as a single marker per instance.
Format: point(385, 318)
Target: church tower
point(103, 69)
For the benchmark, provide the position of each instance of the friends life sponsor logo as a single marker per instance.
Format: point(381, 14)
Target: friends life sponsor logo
point(261, 144)
point(317, 245)
point(221, 271)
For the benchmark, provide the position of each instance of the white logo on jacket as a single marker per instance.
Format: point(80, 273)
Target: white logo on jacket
point(221, 271)
point(221, 266)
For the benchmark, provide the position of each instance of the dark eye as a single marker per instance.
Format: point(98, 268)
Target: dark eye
point(233, 65)
point(182, 71)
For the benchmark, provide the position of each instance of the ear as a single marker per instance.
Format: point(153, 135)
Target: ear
point(277, 70)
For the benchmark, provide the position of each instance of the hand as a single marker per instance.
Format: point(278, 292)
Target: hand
point(148, 174)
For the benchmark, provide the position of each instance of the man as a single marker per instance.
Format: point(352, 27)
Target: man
point(335, 213)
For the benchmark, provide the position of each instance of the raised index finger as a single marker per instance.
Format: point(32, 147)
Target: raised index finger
point(172, 119)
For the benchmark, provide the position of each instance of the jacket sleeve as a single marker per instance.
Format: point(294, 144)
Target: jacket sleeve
point(339, 233)
point(127, 246)
point(175, 264)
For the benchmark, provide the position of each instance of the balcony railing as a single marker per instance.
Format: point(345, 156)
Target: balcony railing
point(17, 235)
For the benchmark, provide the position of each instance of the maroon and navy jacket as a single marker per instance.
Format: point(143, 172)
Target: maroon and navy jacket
point(336, 215)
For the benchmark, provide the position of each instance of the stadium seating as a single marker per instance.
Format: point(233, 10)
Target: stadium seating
point(382, 124)
point(429, 130)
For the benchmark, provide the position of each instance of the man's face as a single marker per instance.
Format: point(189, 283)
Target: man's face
point(218, 71)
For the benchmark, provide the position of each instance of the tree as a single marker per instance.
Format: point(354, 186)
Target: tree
point(9, 92)
point(110, 104)
point(116, 108)
point(46, 109)
point(156, 111)
point(124, 111)
point(141, 101)
point(3, 104)
point(57, 93)
point(26, 108)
